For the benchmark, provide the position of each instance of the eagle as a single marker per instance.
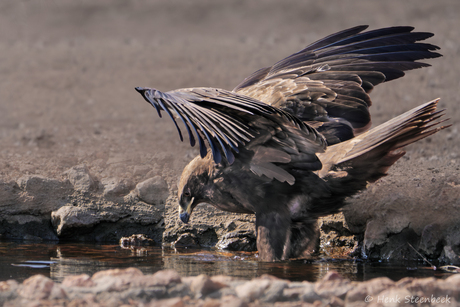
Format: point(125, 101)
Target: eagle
point(292, 141)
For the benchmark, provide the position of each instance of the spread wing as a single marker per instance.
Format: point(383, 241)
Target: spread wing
point(328, 83)
point(232, 123)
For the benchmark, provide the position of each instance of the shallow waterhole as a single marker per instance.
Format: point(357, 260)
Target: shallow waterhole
point(21, 260)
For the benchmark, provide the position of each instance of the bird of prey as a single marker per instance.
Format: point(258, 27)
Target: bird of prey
point(293, 140)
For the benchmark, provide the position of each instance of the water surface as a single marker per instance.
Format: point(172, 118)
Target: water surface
point(21, 260)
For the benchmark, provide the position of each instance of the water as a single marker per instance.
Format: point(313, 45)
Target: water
point(20, 261)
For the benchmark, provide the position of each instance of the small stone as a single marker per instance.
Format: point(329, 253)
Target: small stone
point(153, 191)
point(115, 187)
point(202, 285)
point(80, 178)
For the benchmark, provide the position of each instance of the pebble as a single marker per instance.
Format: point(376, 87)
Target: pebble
point(115, 187)
point(80, 178)
point(153, 191)
point(130, 287)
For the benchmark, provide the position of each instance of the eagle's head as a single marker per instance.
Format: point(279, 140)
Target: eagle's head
point(192, 185)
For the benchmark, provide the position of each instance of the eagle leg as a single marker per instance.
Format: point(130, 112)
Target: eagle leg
point(304, 237)
point(273, 235)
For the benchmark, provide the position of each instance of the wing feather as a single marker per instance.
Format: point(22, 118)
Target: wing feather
point(346, 65)
point(230, 121)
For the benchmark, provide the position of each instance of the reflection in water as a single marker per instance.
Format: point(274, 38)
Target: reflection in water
point(20, 261)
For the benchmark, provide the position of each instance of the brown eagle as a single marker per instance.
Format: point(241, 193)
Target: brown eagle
point(293, 140)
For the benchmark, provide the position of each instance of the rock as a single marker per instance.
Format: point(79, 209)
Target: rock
point(82, 280)
point(114, 187)
point(373, 287)
point(40, 287)
point(8, 291)
point(391, 297)
point(80, 178)
point(41, 195)
point(9, 194)
point(69, 217)
point(333, 284)
point(294, 290)
point(238, 241)
point(252, 290)
point(165, 278)
point(232, 301)
point(186, 240)
point(117, 279)
point(25, 207)
point(101, 220)
point(202, 285)
point(208, 224)
point(274, 292)
point(451, 253)
point(153, 191)
point(170, 302)
point(308, 294)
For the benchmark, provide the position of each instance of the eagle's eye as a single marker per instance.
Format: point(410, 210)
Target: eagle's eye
point(187, 194)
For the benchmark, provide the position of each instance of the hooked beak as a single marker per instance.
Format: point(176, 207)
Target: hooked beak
point(184, 215)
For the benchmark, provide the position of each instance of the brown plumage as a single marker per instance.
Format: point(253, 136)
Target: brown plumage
point(292, 141)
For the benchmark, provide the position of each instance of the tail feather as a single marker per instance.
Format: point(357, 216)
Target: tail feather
point(350, 165)
point(367, 157)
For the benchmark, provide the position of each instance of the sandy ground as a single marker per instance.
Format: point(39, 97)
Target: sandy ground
point(69, 69)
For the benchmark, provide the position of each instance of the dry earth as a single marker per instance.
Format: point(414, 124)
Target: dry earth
point(81, 149)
